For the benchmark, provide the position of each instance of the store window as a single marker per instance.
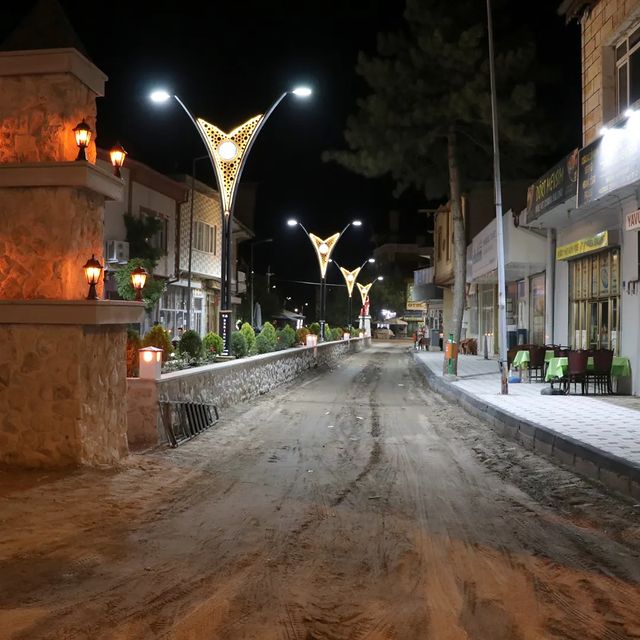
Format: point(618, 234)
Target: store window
point(595, 301)
point(159, 239)
point(628, 70)
point(536, 308)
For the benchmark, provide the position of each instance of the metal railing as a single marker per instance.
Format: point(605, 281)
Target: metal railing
point(185, 420)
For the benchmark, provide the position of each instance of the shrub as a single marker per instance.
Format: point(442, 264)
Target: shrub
point(238, 344)
point(355, 332)
point(133, 344)
point(337, 333)
point(301, 335)
point(314, 328)
point(269, 332)
point(249, 335)
point(281, 340)
point(212, 344)
point(159, 337)
point(262, 344)
point(190, 344)
point(289, 335)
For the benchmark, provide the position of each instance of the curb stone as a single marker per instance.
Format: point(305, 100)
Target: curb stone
point(615, 473)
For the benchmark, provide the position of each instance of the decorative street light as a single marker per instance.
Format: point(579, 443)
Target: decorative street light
point(364, 294)
point(323, 249)
point(117, 155)
point(92, 270)
point(138, 279)
point(82, 132)
point(228, 152)
point(350, 278)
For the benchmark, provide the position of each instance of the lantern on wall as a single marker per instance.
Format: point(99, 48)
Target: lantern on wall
point(82, 131)
point(117, 155)
point(92, 271)
point(138, 279)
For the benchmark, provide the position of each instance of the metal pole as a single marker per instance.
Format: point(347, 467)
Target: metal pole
point(349, 324)
point(323, 303)
point(502, 308)
point(193, 194)
point(251, 298)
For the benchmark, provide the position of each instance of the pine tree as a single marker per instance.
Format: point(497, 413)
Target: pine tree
point(426, 120)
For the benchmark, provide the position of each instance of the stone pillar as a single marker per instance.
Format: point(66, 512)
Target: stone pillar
point(62, 358)
point(549, 286)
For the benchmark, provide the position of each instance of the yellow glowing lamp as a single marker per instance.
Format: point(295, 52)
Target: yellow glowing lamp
point(364, 291)
point(82, 132)
point(228, 151)
point(138, 280)
point(117, 155)
point(92, 270)
point(324, 249)
point(350, 278)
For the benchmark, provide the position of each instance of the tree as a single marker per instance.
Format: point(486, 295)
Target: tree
point(153, 288)
point(426, 121)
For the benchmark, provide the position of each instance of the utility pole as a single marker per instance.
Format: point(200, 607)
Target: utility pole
point(502, 307)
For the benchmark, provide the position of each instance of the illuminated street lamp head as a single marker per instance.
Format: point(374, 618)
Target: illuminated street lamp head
point(227, 150)
point(371, 260)
point(357, 223)
point(159, 96)
point(302, 92)
point(323, 250)
point(380, 277)
point(350, 278)
point(292, 222)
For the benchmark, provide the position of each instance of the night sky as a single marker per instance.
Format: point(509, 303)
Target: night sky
point(229, 60)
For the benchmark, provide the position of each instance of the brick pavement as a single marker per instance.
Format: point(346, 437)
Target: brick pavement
point(608, 427)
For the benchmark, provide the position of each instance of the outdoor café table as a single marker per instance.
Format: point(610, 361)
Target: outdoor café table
point(522, 358)
point(620, 368)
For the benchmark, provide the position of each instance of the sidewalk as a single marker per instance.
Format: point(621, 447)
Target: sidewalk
point(598, 435)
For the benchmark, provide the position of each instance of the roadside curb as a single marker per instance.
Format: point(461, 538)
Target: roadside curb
point(615, 473)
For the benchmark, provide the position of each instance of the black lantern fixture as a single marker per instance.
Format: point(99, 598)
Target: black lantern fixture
point(117, 155)
point(138, 279)
point(83, 133)
point(92, 271)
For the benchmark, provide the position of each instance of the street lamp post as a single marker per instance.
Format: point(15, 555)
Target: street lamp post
point(228, 154)
point(350, 278)
point(253, 244)
point(364, 294)
point(502, 308)
point(323, 249)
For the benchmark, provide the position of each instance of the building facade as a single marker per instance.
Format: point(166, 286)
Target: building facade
point(588, 203)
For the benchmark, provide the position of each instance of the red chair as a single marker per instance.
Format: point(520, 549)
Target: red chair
point(601, 374)
point(536, 362)
point(577, 370)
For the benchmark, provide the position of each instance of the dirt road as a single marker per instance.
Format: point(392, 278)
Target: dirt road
point(353, 505)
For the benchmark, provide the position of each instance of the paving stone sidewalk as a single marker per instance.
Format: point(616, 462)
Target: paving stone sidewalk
point(602, 431)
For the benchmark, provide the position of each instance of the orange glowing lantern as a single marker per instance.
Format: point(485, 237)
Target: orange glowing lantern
point(117, 155)
point(92, 271)
point(83, 133)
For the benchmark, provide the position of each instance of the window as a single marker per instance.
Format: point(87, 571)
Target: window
point(628, 71)
point(595, 301)
point(204, 237)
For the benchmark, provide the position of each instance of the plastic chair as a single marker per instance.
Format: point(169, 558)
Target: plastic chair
point(536, 362)
point(601, 374)
point(577, 370)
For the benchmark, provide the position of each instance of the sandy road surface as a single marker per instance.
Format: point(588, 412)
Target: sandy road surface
point(352, 505)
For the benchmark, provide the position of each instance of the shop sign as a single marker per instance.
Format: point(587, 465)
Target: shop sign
point(586, 245)
point(555, 186)
point(413, 305)
point(632, 221)
point(607, 164)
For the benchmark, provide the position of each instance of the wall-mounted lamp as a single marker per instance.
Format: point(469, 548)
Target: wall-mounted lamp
point(92, 271)
point(138, 279)
point(117, 155)
point(83, 133)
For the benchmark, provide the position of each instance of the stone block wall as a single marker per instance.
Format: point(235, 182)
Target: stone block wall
point(46, 236)
point(603, 25)
point(227, 383)
point(61, 395)
point(37, 116)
